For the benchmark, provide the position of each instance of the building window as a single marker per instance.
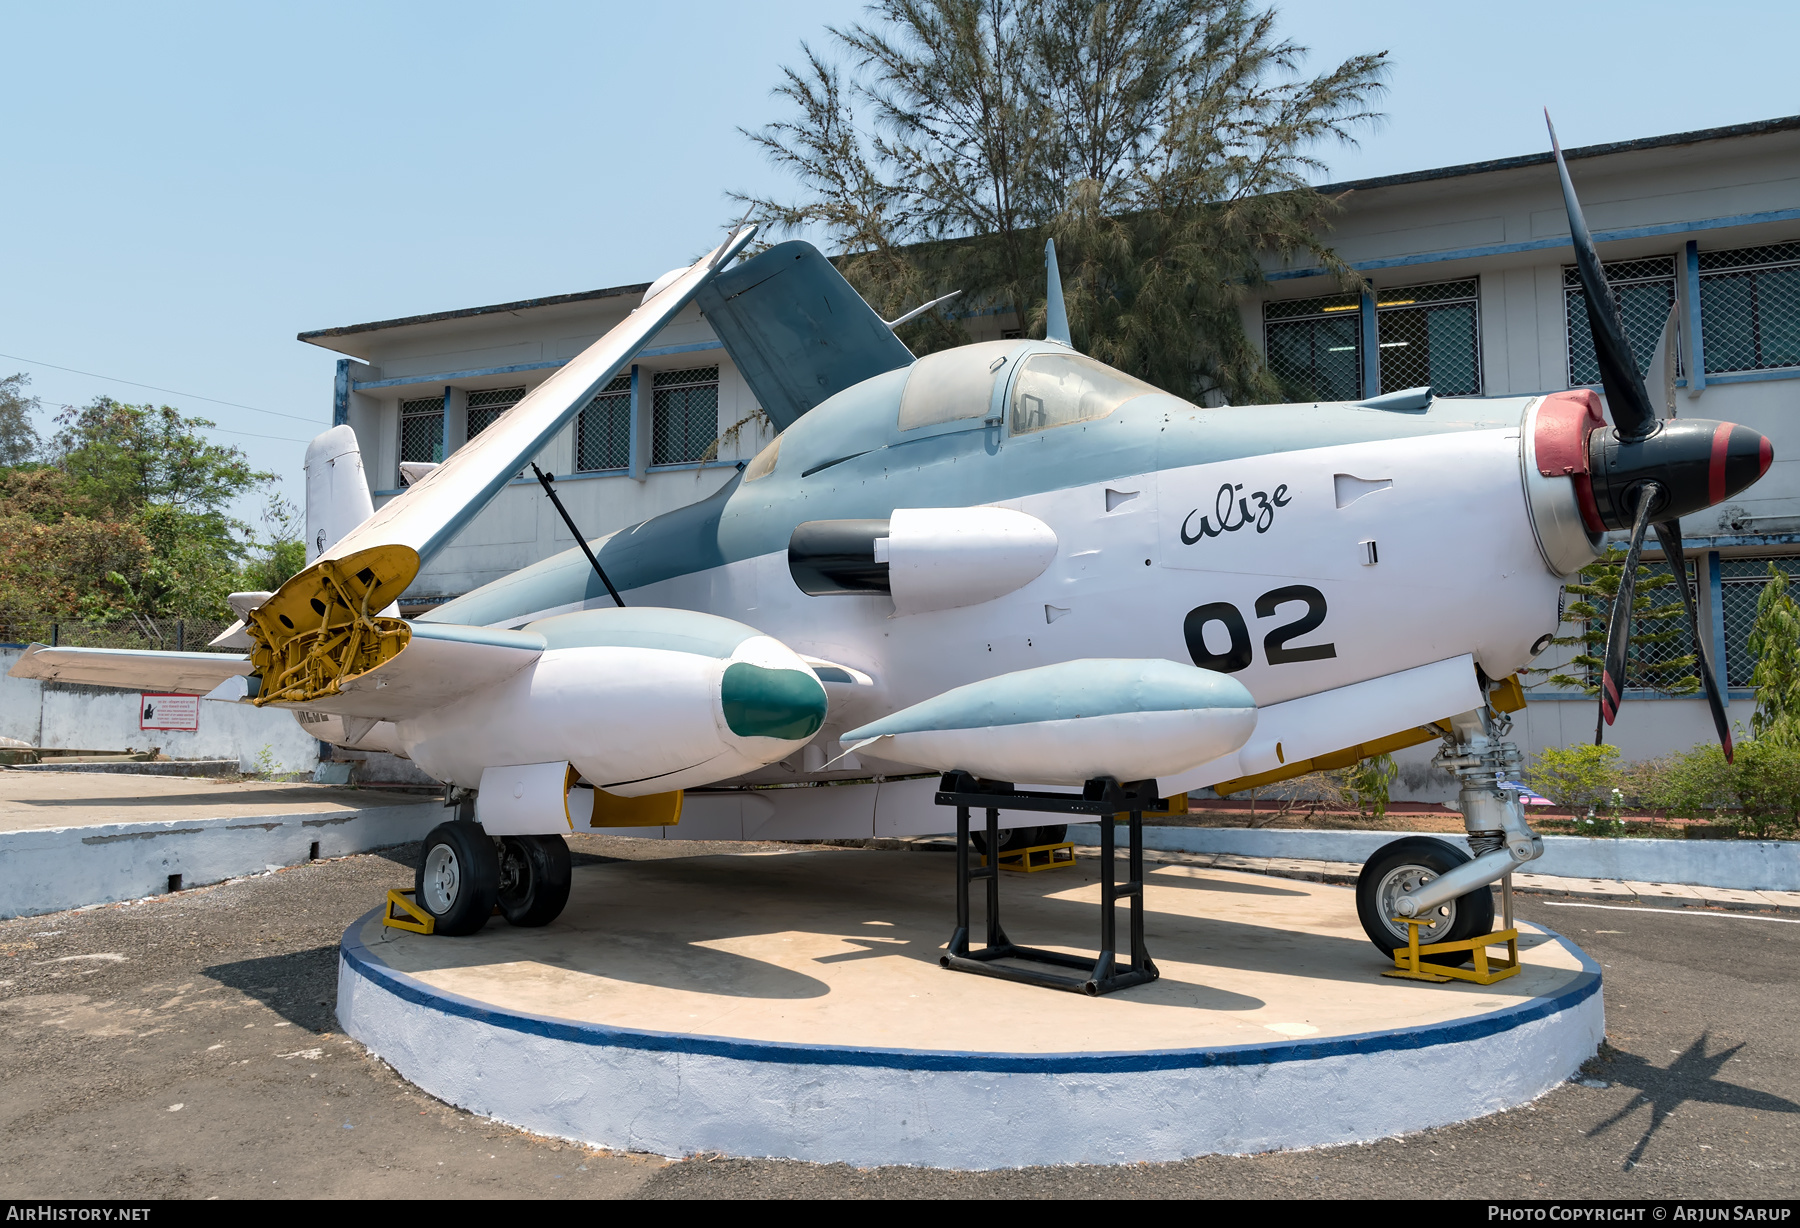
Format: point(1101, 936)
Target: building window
point(1741, 586)
point(1750, 308)
point(603, 431)
point(684, 415)
point(1315, 347)
point(1645, 290)
point(422, 429)
point(486, 406)
point(1429, 337)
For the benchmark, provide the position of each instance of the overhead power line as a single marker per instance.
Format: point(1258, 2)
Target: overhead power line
point(171, 391)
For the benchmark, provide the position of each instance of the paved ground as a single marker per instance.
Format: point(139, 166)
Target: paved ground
point(83, 799)
point(186, 1047)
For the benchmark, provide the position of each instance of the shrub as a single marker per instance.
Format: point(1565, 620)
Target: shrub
point(1577, 778)
point(1758, 794)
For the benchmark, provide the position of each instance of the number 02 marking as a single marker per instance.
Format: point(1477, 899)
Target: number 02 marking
point(1276, 648)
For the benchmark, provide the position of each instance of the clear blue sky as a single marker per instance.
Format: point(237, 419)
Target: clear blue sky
point(188, 186)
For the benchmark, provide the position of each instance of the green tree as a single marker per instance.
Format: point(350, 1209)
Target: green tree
point(1653, 625)
point(1775, 642)
point(282, 553)
point(18, 437)
point(1164, 144)
point(129, 515)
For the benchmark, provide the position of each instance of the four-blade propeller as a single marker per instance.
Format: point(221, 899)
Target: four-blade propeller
point(1649, 471)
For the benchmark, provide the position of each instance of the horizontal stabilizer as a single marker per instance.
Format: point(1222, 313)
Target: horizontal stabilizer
point(174, 673)
point(1071, 722)
point(797, 330)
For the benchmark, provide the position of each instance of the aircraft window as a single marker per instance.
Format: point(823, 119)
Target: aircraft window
point(764, 462)
point(953, 384)
point(1057, 389)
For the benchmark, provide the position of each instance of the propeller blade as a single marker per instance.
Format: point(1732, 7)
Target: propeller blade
point(1632, 411)
point(1618, 627)
point(1668, 532)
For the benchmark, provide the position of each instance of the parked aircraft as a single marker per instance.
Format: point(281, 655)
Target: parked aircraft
point(1007, 559)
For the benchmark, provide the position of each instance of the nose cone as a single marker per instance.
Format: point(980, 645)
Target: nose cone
point(760, 702)
point(1739, 457)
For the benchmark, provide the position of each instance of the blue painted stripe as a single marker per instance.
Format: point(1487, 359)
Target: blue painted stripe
point(372, 968)
point(661, 351)
point(1538, 245)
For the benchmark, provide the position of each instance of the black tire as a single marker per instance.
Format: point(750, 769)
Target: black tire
point(1012, 839)
point(458, 878)
point(1420, 858)
point(534, 879)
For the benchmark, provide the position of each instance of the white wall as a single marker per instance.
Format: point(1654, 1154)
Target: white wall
point(69, 717)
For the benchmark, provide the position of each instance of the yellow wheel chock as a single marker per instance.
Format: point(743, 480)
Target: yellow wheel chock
point(1408, 963)
point(416, 919)
point(1037, 857)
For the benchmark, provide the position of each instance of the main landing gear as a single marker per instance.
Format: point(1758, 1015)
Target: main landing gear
point(464, 874)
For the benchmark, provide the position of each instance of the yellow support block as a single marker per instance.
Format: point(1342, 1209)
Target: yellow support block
point(416, 920)
point(1409, 965)
point(1037, 857)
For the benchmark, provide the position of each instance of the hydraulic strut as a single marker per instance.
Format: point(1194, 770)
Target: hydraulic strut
point(1501, 841)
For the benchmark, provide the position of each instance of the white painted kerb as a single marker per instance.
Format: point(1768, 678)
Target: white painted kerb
point(48, 869)
point(678, 1095)
point(1747, 865)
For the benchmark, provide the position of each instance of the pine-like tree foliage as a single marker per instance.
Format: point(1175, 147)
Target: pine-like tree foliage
point(1775, 642)
point(1652, 625)
point(1164, 144)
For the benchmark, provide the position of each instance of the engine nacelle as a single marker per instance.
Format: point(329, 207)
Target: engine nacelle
point(637, 700)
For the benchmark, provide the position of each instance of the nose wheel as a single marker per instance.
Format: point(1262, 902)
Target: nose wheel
point(1401, 868)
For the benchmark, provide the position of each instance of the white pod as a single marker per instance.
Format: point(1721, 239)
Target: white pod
point(940, 558)
point(1072, 722)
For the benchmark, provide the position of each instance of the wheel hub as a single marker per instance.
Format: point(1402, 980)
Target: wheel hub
point(442, 878)
point(1400, 882)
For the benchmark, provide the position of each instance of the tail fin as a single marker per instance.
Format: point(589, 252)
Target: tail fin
point(337, 494)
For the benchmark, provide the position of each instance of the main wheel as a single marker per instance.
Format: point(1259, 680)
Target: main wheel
point(1012, 839)
point(458, 878)
point(1401, 868)
point(534, 878)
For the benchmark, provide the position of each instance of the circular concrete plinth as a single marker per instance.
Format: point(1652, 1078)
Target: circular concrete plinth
point(792, 1005)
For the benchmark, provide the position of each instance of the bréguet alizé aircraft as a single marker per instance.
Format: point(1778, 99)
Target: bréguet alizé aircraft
point(1006, 559)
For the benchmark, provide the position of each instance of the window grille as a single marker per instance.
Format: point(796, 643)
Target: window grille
point(1429, 336)
point(684, 415)
point(1645, 290)
point(486, 406)
point(603, 431)
point(1315, 346)
point(422, 429)
point(1741, 586)
point(1750, 308)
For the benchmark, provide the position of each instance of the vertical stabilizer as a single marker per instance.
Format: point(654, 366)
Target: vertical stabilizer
point(1056, 316)
point(337, 494)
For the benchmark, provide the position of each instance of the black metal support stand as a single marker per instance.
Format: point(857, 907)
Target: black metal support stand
point(1103, 798)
